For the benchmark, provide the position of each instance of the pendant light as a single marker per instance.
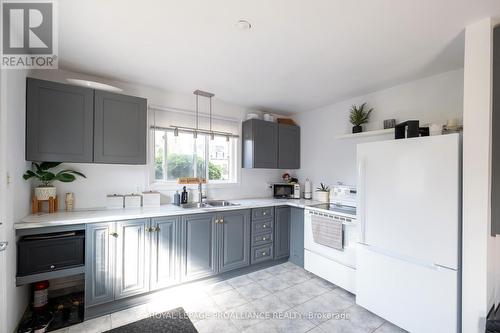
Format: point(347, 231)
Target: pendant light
point(195, 130)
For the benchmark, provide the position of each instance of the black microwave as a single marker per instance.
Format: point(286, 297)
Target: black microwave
point(286, 191)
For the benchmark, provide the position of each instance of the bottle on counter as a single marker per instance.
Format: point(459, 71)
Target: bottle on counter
point(184, 196)
point(177, 198)
point(307, 189)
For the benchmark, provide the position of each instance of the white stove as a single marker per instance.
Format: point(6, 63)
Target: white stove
point(330, 238)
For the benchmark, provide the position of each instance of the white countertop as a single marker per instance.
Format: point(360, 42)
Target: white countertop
point(109, 215)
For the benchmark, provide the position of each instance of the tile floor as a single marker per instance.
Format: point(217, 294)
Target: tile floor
point(281, 298)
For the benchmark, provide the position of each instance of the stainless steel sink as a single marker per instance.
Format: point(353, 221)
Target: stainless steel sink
point(220, 203)
point(195, 205)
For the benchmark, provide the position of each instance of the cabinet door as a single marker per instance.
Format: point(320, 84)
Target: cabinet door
point(59, 122)
point(99, 263)
point(297, 236)
point(288, 147)
point(120, 128)
point(234, 240)
point(199, 246)
point(260, 144)
point(164, 251)
point(132, 264)
point(282, 232)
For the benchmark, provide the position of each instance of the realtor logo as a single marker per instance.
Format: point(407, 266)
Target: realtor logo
point(29, 39)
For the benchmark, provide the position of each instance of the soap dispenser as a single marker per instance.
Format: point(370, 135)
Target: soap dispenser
point(184, 196)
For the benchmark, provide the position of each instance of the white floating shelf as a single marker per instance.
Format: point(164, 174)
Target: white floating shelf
point(366, 134)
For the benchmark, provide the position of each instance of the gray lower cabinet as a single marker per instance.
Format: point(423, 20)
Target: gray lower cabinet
point(59, 122)
point(165, 250)
point(132, 264)
point(116, 261)
point(234, 236)
point(288, 147)
point(120, 128)
point(99, 263)
point(199, 258)
point(282, 232)
point(297, 236)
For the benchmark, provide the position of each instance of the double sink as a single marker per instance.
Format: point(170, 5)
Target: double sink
point(209, 204)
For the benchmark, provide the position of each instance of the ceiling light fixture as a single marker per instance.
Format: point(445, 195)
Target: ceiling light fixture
point(94, 85)
point(243, 25)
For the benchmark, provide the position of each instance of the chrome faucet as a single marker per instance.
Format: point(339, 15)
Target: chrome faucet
point(200, 193)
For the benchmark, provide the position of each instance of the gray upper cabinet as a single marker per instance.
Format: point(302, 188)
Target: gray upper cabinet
point(282, 232)
point(234, 236)
point(66, 123)
point(99, 263)
point(120, 128)
point(132, 264)
point(288, 147)
point(260, 144)
point(199, 246)
point(270, 145)
point(59, 122)
point(164, 251)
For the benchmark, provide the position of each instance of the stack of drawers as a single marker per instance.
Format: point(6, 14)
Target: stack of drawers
point(262, 234)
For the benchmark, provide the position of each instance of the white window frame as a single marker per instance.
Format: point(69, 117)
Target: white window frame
point(234, 164)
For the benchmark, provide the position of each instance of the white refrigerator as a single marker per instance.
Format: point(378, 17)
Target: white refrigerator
point(409, 215)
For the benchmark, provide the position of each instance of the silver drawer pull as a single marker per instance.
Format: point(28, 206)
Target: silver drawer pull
point(263, 238)
point(264, 213)
point(263, 253)
point(114, 234)
point(263, 226)
point(52, 266)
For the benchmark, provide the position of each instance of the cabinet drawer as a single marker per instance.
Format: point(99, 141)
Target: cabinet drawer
point(262, 253)
point(262, 226)
point(261, 239)
point(51, 252)
point(262, 213)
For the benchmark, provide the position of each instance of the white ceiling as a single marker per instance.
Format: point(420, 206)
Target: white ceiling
point(299, 54)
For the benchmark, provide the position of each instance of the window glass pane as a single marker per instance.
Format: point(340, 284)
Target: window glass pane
point(159, 155)
point(220, 156)
point(200, 156)
point(180, 156)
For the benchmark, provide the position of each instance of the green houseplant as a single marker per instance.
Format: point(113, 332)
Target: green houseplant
point(323, 193)
point(358, 116)
point(41, 172)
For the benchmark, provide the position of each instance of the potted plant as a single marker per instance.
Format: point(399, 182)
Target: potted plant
point(41, 172)
point(358, 117)
point(323, 193)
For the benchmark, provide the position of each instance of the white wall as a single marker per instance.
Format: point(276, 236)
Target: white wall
point(327, 159)
point(108, 179)
point(480, 285)
point(15, 195)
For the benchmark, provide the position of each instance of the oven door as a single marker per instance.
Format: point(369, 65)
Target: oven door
point(283, 191)
point(345, 255)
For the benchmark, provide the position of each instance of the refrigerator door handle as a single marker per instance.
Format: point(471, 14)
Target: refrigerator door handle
point(361, 199)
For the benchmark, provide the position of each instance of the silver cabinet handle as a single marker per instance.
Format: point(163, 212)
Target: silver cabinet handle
point(114, 234)
point(52, 266)
point(263, 253)
point(148, 229)
point(157, 229)
point(263, 226)
point(263, 238)
point(3, 246)
point(216, 221)
point(222, 221)
point(264, 213)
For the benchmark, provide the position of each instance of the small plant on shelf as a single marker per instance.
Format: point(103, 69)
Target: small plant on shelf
point(41, 172)
point(358, 116)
